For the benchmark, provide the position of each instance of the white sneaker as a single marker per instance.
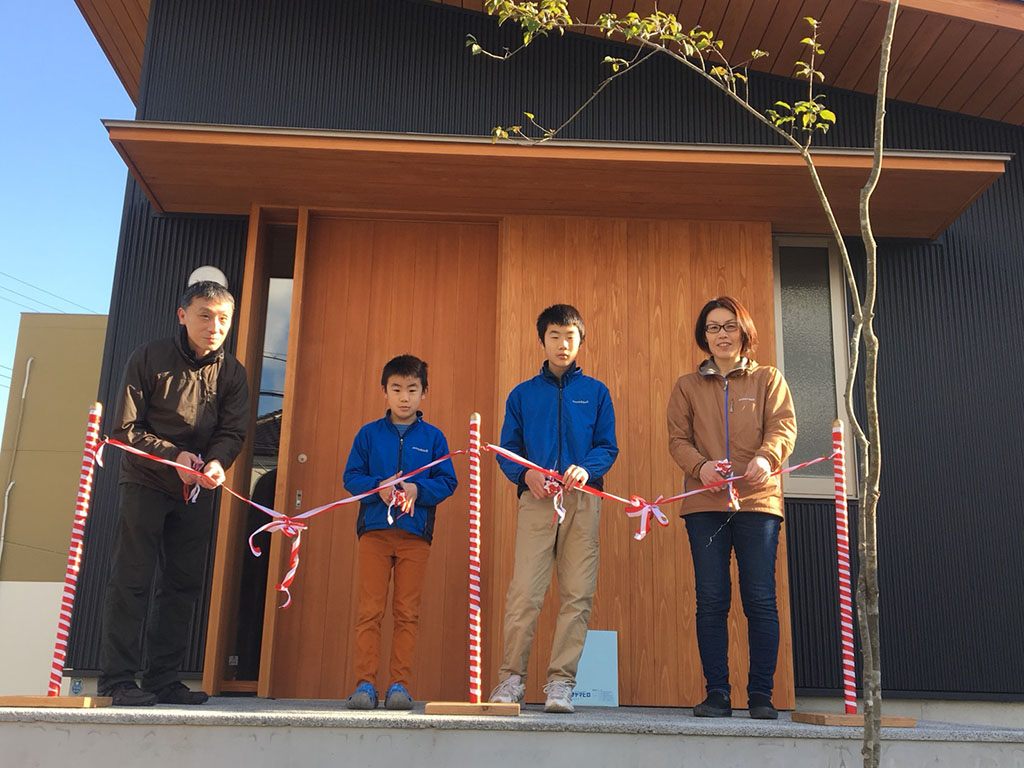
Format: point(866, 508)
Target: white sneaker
point(559, 696)
point(509, 691)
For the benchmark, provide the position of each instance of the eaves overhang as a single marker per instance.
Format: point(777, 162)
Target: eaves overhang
point(964, 56)
point(218, 169)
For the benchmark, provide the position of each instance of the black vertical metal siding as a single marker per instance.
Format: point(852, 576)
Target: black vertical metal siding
point(949, 311)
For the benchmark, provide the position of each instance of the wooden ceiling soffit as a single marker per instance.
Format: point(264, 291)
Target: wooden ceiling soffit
point(226, 170)
point(119, 26)
point(965, 56)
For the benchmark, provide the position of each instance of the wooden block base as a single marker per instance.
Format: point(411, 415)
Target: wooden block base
point(838, 718)
point(70, 702)
point(466, 708)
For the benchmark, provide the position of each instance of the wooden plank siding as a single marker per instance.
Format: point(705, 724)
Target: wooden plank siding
point(372, 290)
point(638, 285)
point(465, 296)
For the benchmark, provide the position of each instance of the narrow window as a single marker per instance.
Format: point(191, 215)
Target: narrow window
point(812, 353)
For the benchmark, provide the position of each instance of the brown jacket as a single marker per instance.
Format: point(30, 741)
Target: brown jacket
point(170, 402)
point(762, 422)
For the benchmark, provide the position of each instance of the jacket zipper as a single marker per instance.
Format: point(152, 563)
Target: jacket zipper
point(728, 408)
point(401, 442)
point(561, 381)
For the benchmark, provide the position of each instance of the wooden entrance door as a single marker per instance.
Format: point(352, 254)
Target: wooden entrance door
point(372, 289)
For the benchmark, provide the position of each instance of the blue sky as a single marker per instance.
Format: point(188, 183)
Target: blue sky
point(61, 181)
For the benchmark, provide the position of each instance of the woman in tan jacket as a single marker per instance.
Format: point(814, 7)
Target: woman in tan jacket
point(733, 413)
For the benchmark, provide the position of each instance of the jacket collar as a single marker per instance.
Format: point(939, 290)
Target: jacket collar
point(573, 372)
point(708, 368)
point(181, 342)
point(387, 419)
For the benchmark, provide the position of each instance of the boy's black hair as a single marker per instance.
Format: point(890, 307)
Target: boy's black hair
point(404, 365)
point(560, 314)
point(206, 289)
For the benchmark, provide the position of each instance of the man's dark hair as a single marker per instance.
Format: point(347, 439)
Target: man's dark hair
point(404, 365)
point(206, 289)
point(560, 314)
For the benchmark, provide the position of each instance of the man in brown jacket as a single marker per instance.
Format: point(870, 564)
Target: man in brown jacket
point(185, 399)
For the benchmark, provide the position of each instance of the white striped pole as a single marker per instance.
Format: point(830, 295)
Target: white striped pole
point(843, 551)
point(475, 663)
point(67, 603)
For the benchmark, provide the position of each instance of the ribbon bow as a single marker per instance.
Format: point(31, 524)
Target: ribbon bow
point(398, 499)
point(552, 485)
point(645, 510)
point(292, 528)
point(724, 468)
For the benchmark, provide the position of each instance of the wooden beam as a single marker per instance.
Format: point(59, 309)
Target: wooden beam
point(838, 718)
point(70, 702)
point(471, 710)
point(280, 546)
point(250, 319)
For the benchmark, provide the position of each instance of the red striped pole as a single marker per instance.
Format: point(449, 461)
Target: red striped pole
point(843, 551)
point(92, 441)
point(475, 664)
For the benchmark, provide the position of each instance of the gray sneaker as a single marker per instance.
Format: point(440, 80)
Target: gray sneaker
point(559, 696)
point(365, 697)
point(397, 698)
point(509, 691)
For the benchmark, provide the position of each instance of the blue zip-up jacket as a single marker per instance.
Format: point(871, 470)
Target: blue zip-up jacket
point(377, 453)
point(559, 422)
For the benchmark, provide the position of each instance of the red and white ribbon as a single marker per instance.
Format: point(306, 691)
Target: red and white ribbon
point(398, 499)
point(843, 555)
point(67, 602)
point(291, 526)
point(475, 634)
point(724, 468)
point(557, 492)
point(645, 511)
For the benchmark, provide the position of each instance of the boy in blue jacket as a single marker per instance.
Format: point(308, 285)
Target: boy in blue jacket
point(394, 529)
point(561, 420)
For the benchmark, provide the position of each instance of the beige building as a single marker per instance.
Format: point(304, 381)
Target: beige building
point(53, 384)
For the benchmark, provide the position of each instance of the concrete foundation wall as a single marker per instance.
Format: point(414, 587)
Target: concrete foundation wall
point(45, 744)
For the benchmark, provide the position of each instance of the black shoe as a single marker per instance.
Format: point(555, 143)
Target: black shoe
point(715, 705)
point(128, 694)
point(179, 693)
point(760, 707)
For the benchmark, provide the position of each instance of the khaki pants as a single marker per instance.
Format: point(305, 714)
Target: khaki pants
point(572, 548)
point(379, 553)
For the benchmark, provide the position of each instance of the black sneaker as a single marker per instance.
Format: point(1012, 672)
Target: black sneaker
point(760, 707)
point(715, 705)
point(128, 694)
point(179, 693)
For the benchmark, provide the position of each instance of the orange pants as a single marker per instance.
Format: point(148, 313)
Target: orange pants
point(379, 553)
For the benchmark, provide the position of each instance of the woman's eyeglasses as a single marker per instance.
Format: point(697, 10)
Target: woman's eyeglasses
point(730, 327)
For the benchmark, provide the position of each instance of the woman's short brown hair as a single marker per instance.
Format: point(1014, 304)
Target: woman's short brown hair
point(747, 329)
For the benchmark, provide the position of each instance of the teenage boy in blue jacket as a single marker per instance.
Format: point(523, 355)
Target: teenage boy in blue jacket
point(561, 420)
point(396, 444)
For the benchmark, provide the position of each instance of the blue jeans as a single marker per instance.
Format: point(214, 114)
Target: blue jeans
point(755, 537)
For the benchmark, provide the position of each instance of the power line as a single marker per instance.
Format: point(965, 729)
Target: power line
point(6, 366)
point(30, 298)
point(30, 285)
point(18, 304)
